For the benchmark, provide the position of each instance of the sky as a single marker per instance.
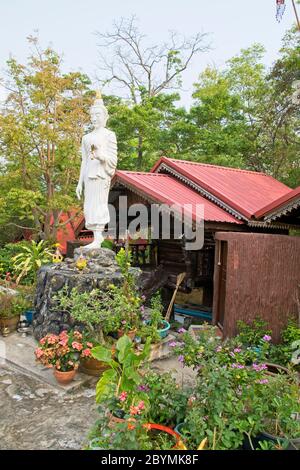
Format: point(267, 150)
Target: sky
point(70, 25)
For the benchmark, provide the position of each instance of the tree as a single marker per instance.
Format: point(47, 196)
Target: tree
point(155, 120)
point(145, 72)
point(245, 115)
point(41, 126)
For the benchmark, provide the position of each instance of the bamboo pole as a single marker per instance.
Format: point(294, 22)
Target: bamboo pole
point(296, 14)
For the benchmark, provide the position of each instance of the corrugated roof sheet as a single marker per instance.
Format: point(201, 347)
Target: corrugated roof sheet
point(166, 189)
point(278, 204)
point(243, 190)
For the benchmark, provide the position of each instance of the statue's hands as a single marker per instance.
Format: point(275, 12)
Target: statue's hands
point(79, 190)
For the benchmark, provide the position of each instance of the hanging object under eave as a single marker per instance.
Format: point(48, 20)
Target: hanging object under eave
point(280, 9)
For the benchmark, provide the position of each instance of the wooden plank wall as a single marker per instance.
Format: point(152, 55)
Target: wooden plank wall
point(263, 276)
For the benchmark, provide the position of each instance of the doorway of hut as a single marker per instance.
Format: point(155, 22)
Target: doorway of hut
point(194, 299)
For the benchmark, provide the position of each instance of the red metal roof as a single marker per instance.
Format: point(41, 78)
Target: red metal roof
point(243, 190)
point(166, 189)
point(291, 196)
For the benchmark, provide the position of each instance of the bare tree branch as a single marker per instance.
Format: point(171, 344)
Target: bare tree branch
point(141, 67)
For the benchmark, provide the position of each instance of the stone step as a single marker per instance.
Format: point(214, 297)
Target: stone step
point(18, 351)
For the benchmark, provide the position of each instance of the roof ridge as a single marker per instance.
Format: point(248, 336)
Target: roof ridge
point(141, 173)
point(221, 167)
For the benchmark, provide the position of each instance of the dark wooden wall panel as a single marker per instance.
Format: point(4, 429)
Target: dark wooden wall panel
point(263, 275)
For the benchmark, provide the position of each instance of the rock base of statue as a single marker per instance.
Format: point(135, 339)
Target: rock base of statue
point(99, 271)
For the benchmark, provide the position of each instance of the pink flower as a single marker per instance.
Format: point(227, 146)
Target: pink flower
point(237, 366)
point(181, 330)
point(267, 338)
point(123, 396)
point(263, 381)
point(89, 345)
point(39, 352)
point(134, 410)
point(52, 339)
point(219, 349)
point(141, 405)
point(259, 367)
point(77, 335)
point(63, 342)
point(42, 341)
point(237, 350)
point(172, 344)
point(77, 346)
point(86, 353)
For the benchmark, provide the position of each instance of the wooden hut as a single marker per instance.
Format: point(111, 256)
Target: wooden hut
point(249, 263)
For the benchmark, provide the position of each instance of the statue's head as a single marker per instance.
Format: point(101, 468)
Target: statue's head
point(99, 113)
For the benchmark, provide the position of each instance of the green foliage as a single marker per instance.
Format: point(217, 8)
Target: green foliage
point(41, 128)
point(285, 353)
point(150, 328)
point(86, 308)
point(29, 260)
point(13, 305)
point(234, 397)
point(251, 333)
point(122, 375)
point(7, 254)
point(167, 400)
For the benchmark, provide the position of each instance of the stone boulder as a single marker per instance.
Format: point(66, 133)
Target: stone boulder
point(100, 271)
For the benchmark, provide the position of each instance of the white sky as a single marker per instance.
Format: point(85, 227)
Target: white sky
point(69, 26)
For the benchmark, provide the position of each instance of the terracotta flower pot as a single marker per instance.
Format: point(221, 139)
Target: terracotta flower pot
point(10, 323)
point(92, 366)
point(64, 378)
point(113, 420)
point(131, 334)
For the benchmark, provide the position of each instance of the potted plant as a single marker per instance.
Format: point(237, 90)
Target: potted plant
point(118, 386)
point(155, 327)
point(87, 309)
point(11, 306)
point(281, 422)
point(62, 353)
point(123, 302)
point(167, 400)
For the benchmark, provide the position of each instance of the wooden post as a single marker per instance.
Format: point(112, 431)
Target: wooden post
point(296, 14)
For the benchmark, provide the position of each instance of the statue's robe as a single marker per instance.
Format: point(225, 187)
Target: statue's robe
point(98, 167)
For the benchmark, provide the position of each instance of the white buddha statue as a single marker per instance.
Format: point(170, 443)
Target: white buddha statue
point(99, 161)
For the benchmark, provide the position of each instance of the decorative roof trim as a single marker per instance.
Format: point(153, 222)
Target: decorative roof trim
point(202, 191)
point(275, 214)
point(272, 226)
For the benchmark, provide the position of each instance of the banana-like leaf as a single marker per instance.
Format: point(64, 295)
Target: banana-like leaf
point(106, 385)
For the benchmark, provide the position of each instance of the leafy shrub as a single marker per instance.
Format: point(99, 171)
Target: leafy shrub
point(250, 334)
point(7, 254)
point(30, 258)
point(168, 401)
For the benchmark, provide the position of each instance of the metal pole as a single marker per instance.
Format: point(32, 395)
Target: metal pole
point(296, 14)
